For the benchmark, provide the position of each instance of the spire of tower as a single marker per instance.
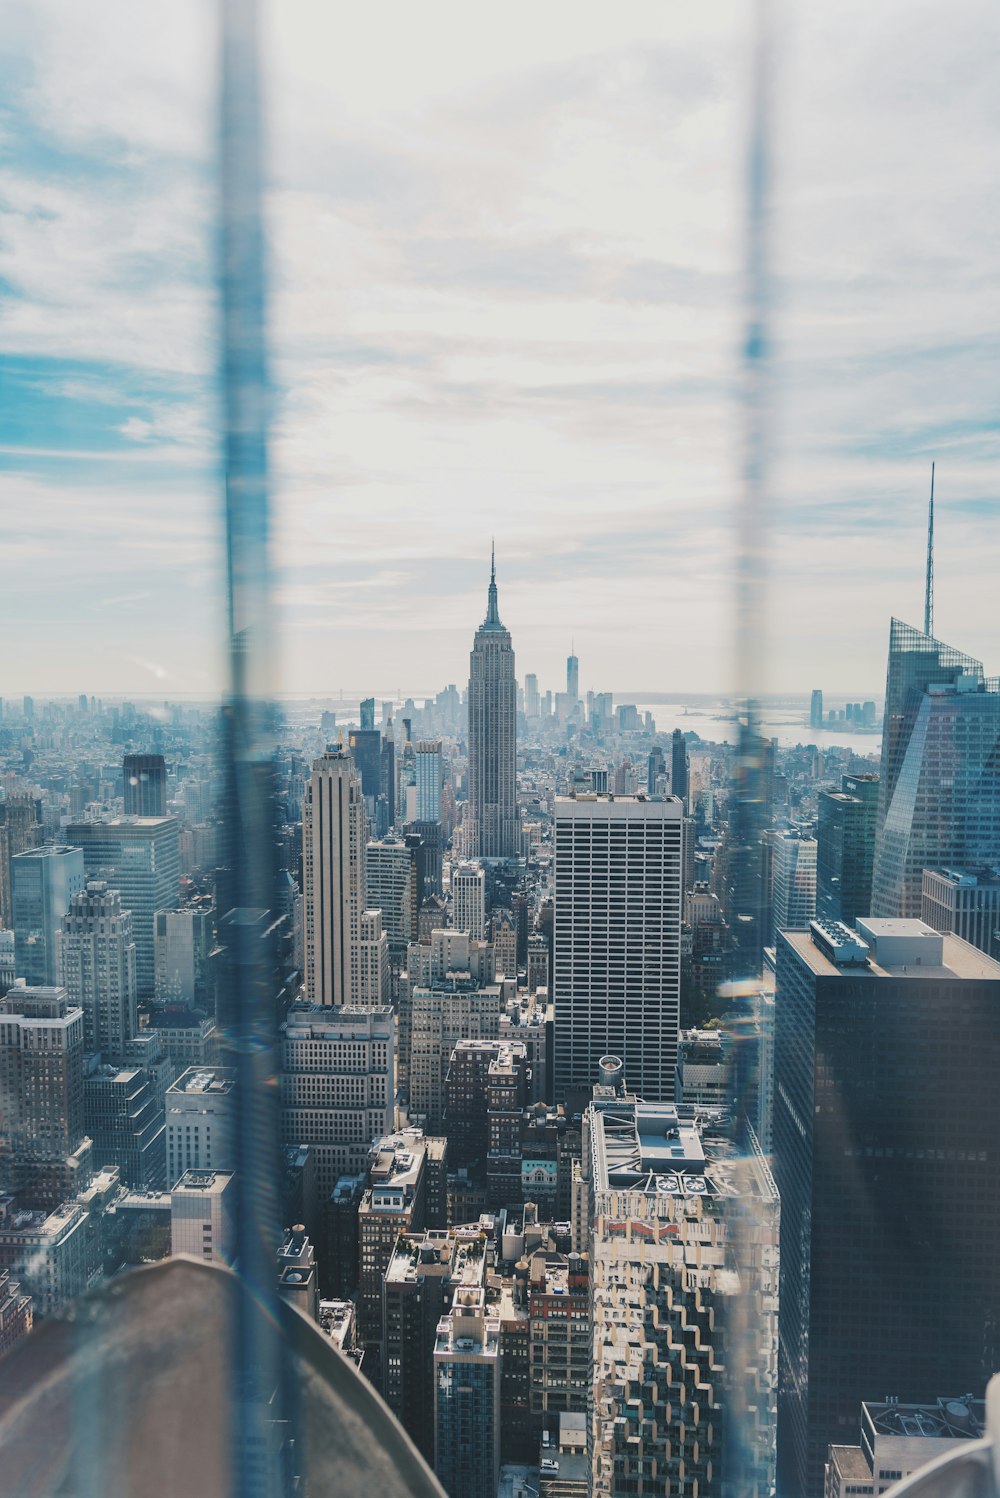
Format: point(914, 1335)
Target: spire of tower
point(492, 612)
point(929, 581)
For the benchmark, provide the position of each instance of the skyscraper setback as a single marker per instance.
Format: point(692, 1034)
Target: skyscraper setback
point(492, 828)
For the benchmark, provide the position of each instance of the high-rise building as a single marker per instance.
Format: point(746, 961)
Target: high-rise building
point(333, 844)
point(45, 1156)
point(145, 781)
point(392, 880)
point(683, 1237)
point(886, 1117)
point(203, 1216)
point(656, 766)
point(338, 1086)
point(43, 883)
point(939, 793)
point(182, 945)
point(965, 902)
point(845, 849)
point(816, 708)
point(897, 1439)
point(365, 745)
point(794, 874)
point(201, 1121)
point(679, 765)
point(442, 1014)
point(394, 1203)
point(16, 1312)
point(531, 699)
point(96, 962)
point(492, 826)
point(125, 1119)
point(139, 857)
point(430, 776)
point(367, 711)
point(467, 1396)
point(617, 938)
point(573, 678)
point(20, 830)
point(468, 897)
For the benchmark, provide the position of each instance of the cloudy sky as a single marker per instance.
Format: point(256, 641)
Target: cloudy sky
point(506, 249)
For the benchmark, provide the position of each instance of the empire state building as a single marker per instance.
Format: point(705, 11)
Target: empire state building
point(491, 823)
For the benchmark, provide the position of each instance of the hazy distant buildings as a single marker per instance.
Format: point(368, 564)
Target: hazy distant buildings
point(97, 967)
point(845, 848)
point(492, 827)
point(616, 974)
point(333, 850)
point(816, 709)
point(139, 857)
point(573, 678)
point(886, 1117)
point(939, 795)
point(679, 765)
point(145, 785)
point(43, 882)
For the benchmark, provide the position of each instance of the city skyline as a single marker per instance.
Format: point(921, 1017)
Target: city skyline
point(473, 327)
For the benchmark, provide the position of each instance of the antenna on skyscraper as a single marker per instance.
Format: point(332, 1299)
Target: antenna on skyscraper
point(929, 582)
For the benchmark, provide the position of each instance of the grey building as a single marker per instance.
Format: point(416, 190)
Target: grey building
point(139, 857)
point(20, 830)
point(965, 902)
point(492, 827)
point(97, 967)
point(125, 1121)
point(43, 883)
point(45, 1156)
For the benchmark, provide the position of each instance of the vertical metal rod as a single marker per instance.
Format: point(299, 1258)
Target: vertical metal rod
point(261, 1448)
point(929, 583)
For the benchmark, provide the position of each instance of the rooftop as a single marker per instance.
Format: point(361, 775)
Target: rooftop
point(215, 1080)
point(206, 1182)
point(896, 948)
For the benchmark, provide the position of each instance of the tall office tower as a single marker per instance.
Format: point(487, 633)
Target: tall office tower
point(333, 844)
point(20, 830)
point(140, 858)
point(886, 1118)
point(672, 1343)
point(794, 881)
point(503, 935)
point(679, 765)
point(656, 766)
point(617, 939)
point(43, 882)
point(845, 849)
point(743, 860)
point(96, 961)
point(965, 902)
point(493, 829)
point(182, 945)
point(201, 1121)
point(532, 703)
point(468, 897)
point(367, 710)
point(45, 1156)
point(125, 1120)
point(939, 794)
point(442, 1014)
point(28, 709)
point(816, 708)
point(391, 873)
point(373, 960)
point(389, 777)
point(430, 776)
point(145, 780)
point(467, 1396)
point(365, 745)
point(573, 678)
point(338, 1085)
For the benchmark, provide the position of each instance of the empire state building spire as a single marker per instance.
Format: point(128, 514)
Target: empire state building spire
point(492, 828)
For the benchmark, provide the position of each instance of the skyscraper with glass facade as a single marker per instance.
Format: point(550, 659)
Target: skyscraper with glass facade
point(43, 882)
point(492, 827)
point(430, 770)
point(845, 848)
point(939, 793)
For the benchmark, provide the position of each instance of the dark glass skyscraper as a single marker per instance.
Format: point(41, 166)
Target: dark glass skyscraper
point(845, 848)
point(939, 796)
point(492, 826)
point(679, 765)
point(145, 777)
point(886, 1121)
